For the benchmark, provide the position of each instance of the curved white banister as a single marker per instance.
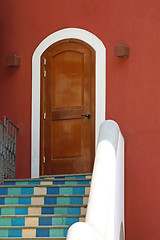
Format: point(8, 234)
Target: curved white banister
point(105, 211)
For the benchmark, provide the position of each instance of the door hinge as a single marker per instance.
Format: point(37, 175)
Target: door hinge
point(44, 115)
point(45, 62)
point(44, 159)
point(45, 74)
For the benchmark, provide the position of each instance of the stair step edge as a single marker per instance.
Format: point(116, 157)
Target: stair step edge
point(41, 186)
point(43, 216)
point(34, 238)
point(48, 180)
point(46, 205)
point(34, 227)
point(54, 177)
point(69, 175)
point(45, 195)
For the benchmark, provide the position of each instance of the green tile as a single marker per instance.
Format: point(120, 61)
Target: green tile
point(61, 210)
point(8, 211)
point(14, 191)
point(3, 232)
point(11, 201)
point(65, 190)
point(21, 183)
point(63, 200)
point(56, 232)
point(71, 182)
point(70, 177)
point(5, 221)
point(58, 221)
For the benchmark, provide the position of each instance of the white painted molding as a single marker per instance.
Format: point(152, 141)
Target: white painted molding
point(105, 208)
point(100, 51)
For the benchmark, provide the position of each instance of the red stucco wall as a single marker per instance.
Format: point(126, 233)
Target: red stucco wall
point(133, 86)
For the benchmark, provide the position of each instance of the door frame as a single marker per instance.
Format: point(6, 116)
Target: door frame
point(100, 88)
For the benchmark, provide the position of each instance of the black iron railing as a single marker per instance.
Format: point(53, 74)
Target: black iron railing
point(8, 145)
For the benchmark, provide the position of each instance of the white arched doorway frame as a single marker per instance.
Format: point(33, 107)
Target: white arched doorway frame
point(100, 105)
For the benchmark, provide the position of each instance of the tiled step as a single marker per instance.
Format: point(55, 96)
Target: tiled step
point(44, 231)
point(52, 180)
point(35, 238)
point(42, 190)
point(49, 182)
point(42, 208)
point(47, 209)
point(37, 220)
point(69, 176)
point(43, 199)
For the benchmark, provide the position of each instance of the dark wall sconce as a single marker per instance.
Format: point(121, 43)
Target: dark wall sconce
point(121, 51)
point(13, 61)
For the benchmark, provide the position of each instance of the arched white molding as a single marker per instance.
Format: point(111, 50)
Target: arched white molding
point(100, 50)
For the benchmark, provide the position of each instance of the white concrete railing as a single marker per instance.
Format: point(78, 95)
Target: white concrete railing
point(105, 211)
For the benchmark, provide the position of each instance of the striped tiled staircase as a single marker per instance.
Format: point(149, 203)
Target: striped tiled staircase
point(42, 208)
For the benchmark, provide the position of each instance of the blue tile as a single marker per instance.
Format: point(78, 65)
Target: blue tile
point(71, 220)
point(83, 182)
point(76, 200)
point(59, 183)
point(18, 221)
point(3, 191)
point(42, 232)
point(1, 201)
point(27, 191)
point(15, 233)
point(47, 210)
point(24, 200)
point(80, 177)
point(10, 183)
point(34, 183)
point(50, 200)
point(79, 190)
point(65, 232)
point(74, 210)
point(52, 190)
point(21, 211)
point(45, 221)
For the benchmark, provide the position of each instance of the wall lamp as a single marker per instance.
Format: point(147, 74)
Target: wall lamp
point(121, 51)
point(13, 61)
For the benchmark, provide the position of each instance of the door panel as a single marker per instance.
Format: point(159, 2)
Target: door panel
point(65, 135)
point(67, 93)
point(67, 81)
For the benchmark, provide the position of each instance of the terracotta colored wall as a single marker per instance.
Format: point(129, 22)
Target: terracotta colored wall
point(133, 84)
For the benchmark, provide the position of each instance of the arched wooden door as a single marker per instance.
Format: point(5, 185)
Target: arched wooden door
point(67, 108)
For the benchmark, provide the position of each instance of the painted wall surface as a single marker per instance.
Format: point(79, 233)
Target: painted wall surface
point(133, 98)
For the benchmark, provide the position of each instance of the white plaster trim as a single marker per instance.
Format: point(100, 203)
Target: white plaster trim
point(100, 50)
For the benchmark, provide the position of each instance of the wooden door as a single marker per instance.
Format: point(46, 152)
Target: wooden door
point(67, 94)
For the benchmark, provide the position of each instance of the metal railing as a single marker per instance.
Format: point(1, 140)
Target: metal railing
point(8, 144)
